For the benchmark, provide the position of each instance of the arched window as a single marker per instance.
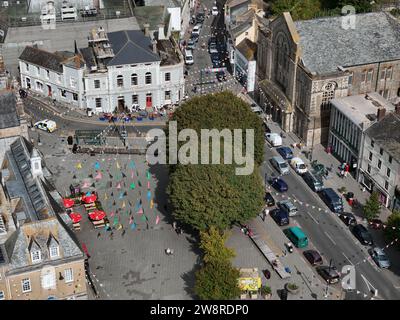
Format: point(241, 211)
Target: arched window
point(134, 79)
point(148, 78)
point(120, 81)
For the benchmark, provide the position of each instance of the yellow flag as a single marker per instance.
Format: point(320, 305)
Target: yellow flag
point(105, 196)
point(123, 204)
point(79, 166)
point(118, 165)
point(151, 204)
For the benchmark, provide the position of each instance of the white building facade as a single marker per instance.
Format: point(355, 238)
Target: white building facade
point(112, 75)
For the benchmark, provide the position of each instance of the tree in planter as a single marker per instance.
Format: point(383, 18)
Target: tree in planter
point(371, 208)
point(342, 190)
point(266, 290)
point(393, 222)
point(217, 279)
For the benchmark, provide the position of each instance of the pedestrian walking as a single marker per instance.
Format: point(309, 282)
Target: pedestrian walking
point(174, 225)
point(342, 173)
point(346, 169)
point(98, 235)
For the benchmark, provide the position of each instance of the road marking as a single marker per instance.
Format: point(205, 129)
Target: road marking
point(348, 259)
point(329, 237)
point(396, 287)
point(312, 217)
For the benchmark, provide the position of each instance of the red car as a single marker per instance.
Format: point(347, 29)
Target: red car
point(375, 224)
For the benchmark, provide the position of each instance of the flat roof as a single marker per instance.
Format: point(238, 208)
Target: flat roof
point(356, 108)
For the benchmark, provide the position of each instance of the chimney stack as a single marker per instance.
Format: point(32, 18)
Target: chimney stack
point(146, 29)
point(381, 113)
point(154, 46)
point(161, 34)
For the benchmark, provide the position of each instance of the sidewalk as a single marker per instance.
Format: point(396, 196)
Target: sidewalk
point(76, 115)
point(334, 181)
point(311, 287)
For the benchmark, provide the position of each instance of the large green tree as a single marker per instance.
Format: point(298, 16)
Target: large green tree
point(372, 206)
point(392, 231)
point(217, 279)
point(205, 195)
point(299, 9)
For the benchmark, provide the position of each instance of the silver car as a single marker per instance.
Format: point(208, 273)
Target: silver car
point(380, 257)
point(288, 206)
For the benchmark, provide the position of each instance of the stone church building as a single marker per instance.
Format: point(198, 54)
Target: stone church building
point(302, 65)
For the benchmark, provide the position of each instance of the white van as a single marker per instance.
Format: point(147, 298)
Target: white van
point(274, 139)
point(298, 165)
point(189, 57)
point(46, 125)
point(196, 29)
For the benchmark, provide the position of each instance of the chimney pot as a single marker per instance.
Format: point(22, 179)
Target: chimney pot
point(381, 113)
point(155, 46)
point(397, 108)
point(146, 29)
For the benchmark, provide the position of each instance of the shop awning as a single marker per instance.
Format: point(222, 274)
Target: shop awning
point(68, 203)
point(97, 215)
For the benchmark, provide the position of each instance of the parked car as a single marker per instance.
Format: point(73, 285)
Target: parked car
point(329, 274)
point(221, 76)
point(189, 57)
point(214, 11)
point(194, 37)
point(348, 218)
point(200, 17)
point(215, 60)
point(269, 200)
point(313, 257)
point(191, 44)
point(266, 128)
point(274, 139)
point(279, 185)
point(375, 224)
point(46, 125)
point(285, 152)
point(332, 200)
point(196, 29)
point(280, 165)
point(280, 217)
point(380, 257)
point(362, 234)
point(288, 206)
point(212, 48)
point(212, 40)
point(314, 181)
point(298, 165)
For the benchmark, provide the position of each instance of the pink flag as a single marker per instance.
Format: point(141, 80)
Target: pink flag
point(130, 220)
point(148, 185)
point(132, 174)
point(119, 185)
point(98, 176)
point(157, 219)
point(86, 185)
point(112, 214)
point(140, 211)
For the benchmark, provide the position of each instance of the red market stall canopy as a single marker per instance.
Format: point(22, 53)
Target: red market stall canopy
point(76, 217)
point(89, 199)
point(68, 203)
point(97, 215)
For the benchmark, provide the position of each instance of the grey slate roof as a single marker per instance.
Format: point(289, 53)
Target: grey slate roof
point(22, 184)
point(42, 231)
point(131, 46)
point(42, 58)
point(386, 134)
point(8, 111)
point(326, 45)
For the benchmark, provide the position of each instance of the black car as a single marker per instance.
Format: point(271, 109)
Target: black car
point(280, 217)
point(212, 40)
point(329, 274)
point(221, 76)
point(362, 234)
point(266, 128)
point(348, 218)
point(313, 257)
point(215, 60)
point(200, 17)
point(269, 200)
point(194, 37)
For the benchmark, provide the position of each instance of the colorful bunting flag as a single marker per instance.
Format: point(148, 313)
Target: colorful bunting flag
point(157, 219)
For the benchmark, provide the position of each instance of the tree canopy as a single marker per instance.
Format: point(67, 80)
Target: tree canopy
point(217, 279)
point(392, 231)
point(371, 207)
point(308, 9)
point(205, 195)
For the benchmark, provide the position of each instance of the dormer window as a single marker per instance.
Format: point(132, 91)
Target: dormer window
point(54, 252)
point(36, 256)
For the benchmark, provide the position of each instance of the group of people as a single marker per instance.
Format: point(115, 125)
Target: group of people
point(344, 169)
